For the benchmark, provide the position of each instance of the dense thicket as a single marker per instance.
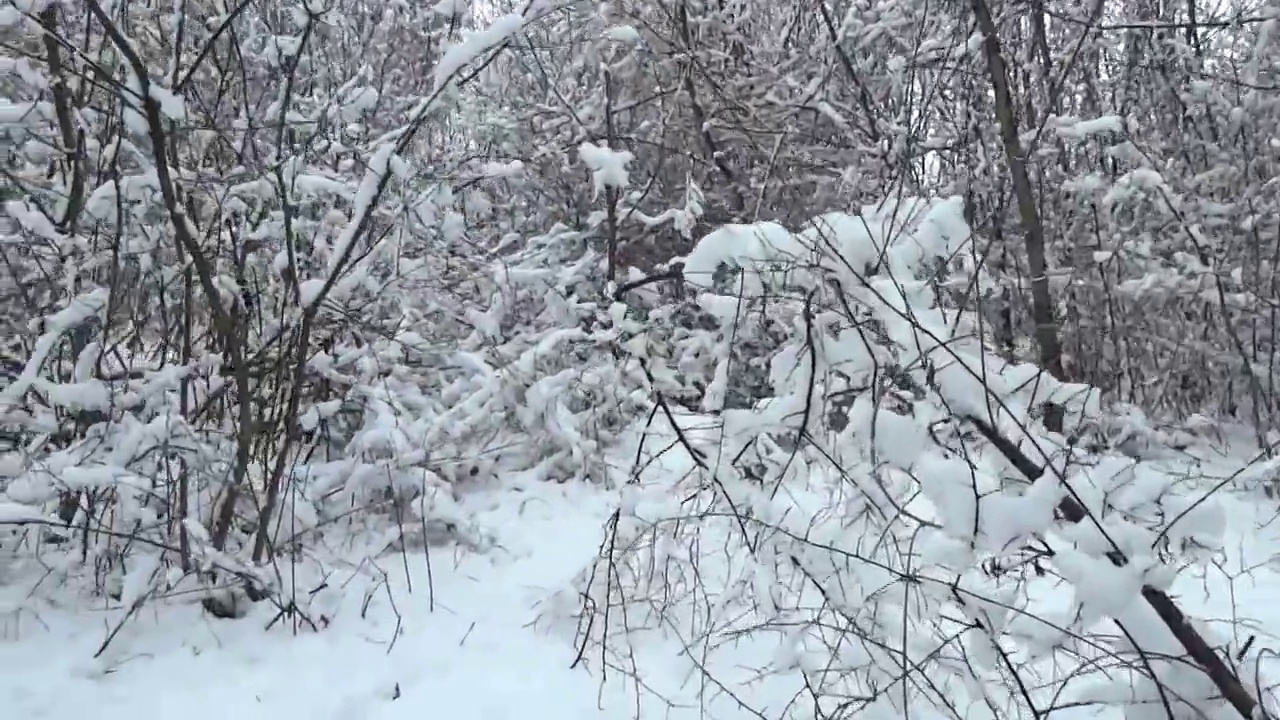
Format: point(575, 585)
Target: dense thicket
point(279, 269)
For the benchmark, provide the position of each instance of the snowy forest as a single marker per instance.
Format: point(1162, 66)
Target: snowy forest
point(924, 353)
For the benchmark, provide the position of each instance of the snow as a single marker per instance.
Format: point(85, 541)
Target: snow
point(469, 657)
point(365, 199)
point(685, 564)
point(475, 44)
point(459, 640)
point(17, 513)
point(451, 8)
point(1077, 129)
point(171, 105)
point(359, 100)
point(608, 167)
point(10, 16)
point(309, 291)
point(625, 34)
point(486, 634)
point(12, 113)
point(78, 311)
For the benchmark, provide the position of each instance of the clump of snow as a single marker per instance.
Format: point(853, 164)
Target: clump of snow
point(171, 105)
point(625, 34)
point(12, 513)
point(473, 45)
point(608, 167)
point(309, 291)
point(451, 8)
point(357, 102)
point(1077, 129)
point(503, 169)
point(79, 311)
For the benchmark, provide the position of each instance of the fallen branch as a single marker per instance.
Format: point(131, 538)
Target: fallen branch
point(1197, 648)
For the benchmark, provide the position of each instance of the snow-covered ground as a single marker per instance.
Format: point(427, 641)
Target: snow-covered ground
point(464, 646)
point(448, 634)
point(471, 656)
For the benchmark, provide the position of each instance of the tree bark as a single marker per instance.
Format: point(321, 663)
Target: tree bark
point(1028, 212)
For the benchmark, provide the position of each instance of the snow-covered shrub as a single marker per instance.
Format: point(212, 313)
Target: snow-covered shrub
point(529, 382)
point(237, 271)
point(850, 544)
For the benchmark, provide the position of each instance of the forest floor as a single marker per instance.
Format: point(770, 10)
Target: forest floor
point(454, 634)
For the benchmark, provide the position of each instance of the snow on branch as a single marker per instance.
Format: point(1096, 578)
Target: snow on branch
point(848, 534)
